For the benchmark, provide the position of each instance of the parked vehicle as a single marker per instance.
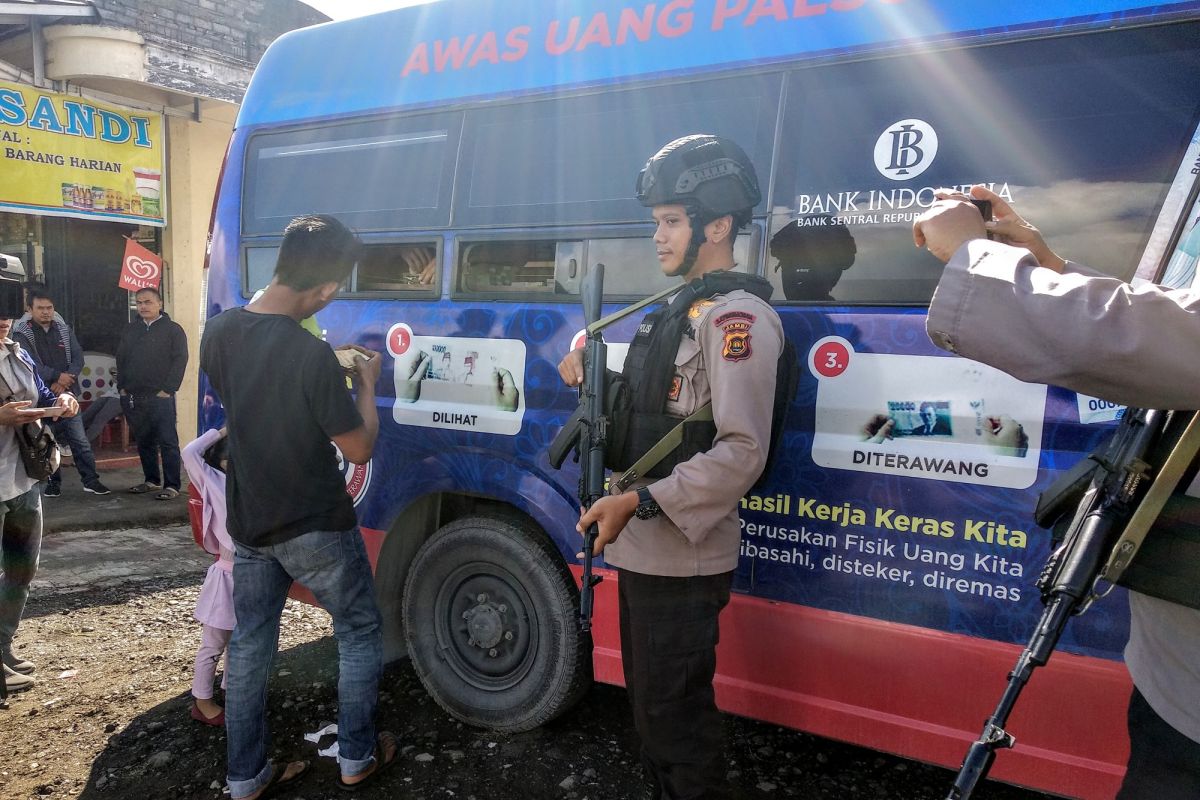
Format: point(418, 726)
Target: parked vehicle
point(486, 153)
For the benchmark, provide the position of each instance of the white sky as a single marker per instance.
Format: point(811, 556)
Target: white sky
point(344, 9)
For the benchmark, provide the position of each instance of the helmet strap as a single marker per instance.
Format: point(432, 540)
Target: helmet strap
point(698, 238)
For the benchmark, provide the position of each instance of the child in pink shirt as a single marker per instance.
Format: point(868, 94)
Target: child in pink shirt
point(205, 461)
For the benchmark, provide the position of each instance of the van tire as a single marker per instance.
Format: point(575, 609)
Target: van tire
point(491, 620)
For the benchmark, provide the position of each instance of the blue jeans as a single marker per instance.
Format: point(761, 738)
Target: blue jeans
point(71, 430)
point(20, 544)
point(334, 566)
point(153, 421)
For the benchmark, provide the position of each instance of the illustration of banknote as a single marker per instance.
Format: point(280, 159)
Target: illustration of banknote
point(446, 363)
point(920, 417)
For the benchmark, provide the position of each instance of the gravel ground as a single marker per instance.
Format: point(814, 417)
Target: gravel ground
point(109, 719)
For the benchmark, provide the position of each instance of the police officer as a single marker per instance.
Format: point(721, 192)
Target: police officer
point(674, 541)
point(1010, 301)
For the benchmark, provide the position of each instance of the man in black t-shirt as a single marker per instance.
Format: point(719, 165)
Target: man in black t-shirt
point(285, 400)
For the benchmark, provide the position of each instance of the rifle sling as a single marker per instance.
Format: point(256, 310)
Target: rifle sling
point(669, 442)
point(617, 316)
point(662, 448)
point(1147, 512)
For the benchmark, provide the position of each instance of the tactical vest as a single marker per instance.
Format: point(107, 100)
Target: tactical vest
point(644, 428)
point(1167, 565)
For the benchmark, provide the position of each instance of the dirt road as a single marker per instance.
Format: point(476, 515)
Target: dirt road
point(110, 628)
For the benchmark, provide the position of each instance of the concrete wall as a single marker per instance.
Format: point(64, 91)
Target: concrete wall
point(195, 151)
point(240, 30)
point(167, 53)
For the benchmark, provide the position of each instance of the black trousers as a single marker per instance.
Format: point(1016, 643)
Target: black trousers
point(1163, 763)
point(153, 421)
point(669, 632)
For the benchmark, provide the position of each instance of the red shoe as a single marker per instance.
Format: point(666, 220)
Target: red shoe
point(217, 722)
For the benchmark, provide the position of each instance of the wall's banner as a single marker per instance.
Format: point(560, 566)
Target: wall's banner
point(140, 269)
point(69, 156)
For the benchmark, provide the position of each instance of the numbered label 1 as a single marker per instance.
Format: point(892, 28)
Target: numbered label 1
point(830, 357)
point(399, 339)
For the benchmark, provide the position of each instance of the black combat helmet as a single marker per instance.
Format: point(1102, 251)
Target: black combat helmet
point(709, 174)
point(812, 253)
point(819, 242)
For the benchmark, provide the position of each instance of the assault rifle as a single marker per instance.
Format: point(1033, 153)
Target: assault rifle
point(1094, 550)
point(598, 428)
point(593, 433)
point(587, 431)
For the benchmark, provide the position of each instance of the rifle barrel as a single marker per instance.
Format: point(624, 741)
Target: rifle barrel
point(594, 434)
point(1069, 578)
point(982, 753)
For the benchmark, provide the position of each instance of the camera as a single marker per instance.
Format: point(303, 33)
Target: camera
point(985, 208)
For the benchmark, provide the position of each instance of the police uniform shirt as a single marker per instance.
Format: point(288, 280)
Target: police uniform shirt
point(728, 354)
point(995, 305)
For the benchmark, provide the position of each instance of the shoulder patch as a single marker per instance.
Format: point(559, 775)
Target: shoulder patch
point(722, 320)
point(736, 346)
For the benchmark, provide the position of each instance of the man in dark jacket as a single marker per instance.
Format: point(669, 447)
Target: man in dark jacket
point(59, 360)
point(150, 363)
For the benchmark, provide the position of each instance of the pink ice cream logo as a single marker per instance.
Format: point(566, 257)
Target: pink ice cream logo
point(142, 270)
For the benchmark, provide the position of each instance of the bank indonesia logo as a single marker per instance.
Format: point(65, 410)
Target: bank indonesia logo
point(906, 149)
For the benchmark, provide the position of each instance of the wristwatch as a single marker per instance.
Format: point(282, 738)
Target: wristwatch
point(647, 508)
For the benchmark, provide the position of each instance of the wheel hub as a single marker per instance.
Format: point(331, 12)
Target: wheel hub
point(485, 623)
point(488, 639)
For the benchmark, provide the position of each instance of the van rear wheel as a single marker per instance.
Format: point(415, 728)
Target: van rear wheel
point(490, 617)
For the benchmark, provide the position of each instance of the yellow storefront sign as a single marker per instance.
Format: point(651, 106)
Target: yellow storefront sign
point(69, 156)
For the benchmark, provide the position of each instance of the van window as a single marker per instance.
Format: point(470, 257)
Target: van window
point(553, 269)
point(499, 268)
point(587, 151)
point(391, 174)
point(1084, 132)
point(260, 267)
point(409, 268)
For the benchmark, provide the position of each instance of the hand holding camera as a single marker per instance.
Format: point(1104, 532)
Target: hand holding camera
point(946, 226)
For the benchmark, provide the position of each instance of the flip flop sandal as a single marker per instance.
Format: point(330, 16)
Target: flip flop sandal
point(278, 771)
point(380, 763)
point(167, 494)
point(142, 488)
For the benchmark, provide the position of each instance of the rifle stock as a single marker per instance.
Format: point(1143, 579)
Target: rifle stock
point(593, 433)
point(1068, 580)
